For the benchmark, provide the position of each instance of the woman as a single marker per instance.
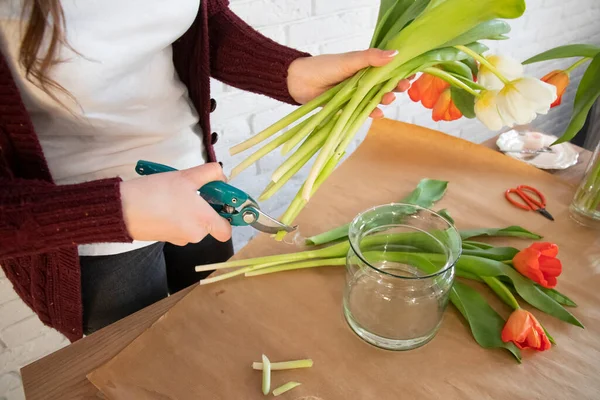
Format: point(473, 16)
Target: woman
point(88, 88)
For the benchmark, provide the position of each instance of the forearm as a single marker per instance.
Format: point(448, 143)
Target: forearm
point(244, 58)
point(36, 216)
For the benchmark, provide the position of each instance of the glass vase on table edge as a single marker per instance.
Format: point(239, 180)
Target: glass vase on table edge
point(585, 208)
point(399, 272)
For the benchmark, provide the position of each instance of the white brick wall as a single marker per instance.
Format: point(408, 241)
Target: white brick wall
point(317, 26)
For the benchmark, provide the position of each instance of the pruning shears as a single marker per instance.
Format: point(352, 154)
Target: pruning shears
point(229, 202)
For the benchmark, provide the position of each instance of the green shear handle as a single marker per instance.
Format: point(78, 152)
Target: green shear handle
point(223, 198)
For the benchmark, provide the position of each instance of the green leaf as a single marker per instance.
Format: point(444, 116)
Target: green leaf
point(568, 51)
point(446, 54)
point(483, 31)
point(478, 245)
point(389, 12)
point(446, 215)
point(457, 68)
point(464, 101)
point(427, 193)
point(587, 94)
point(511, 231)
point(525, 287)
point(472, 64)
point(559, 297)
point(401, 20)
point(485, 323)
point(495, 253)
point(499, 37)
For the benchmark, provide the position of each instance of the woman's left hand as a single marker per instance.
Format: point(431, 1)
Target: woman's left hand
point(308, 77)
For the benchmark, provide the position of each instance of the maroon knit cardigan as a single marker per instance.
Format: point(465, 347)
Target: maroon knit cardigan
point(41, 223)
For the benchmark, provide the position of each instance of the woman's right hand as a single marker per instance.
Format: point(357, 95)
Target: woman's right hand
point(166, 207)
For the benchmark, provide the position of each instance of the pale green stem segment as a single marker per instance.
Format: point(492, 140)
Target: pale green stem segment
point(337, 250)
point(232, 274)
point(502, 291)
point(344, 95)
point(450, 79)
point(285, 365)
point(289, 119)
point(484, 62)
point(299, 202)
point(285, 388)
point(330, 262)
point(266, 376)
point(312, 143)
point(273, 187)
point(577, 65)
point(263, 151)
point(337, 142)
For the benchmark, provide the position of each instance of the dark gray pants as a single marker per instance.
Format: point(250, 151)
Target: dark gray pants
point(116, 286)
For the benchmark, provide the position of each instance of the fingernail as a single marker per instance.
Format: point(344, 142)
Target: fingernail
point(390, 53)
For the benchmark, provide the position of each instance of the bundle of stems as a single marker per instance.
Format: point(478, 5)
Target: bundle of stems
point(425, 33)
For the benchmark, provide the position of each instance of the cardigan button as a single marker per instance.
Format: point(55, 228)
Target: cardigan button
point(214, 138)
point(213, 105)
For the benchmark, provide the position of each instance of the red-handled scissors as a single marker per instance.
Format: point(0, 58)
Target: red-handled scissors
point(531, 204)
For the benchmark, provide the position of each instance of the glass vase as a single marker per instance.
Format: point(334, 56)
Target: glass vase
point(399, 272)
point(585, 208)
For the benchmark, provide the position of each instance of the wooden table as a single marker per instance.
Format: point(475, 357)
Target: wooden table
point(62, 375)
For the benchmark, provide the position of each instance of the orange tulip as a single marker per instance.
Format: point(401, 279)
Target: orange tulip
point(434, 93)
point(525, 331)
point(538, 262)
point(445, 109)
point(561, 80)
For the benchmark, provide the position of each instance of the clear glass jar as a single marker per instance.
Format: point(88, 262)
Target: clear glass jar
point(399, 272)
point(585, 208)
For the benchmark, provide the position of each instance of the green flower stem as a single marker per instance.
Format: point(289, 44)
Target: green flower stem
point(312, 144)
point(331, 262)
point(273, 187)
point(502, 291)
point(484, 62)
point(299, 203)
point(450, 79)
point(341, 98)
point(290, 119)
point(577, 65)
point(263, 151)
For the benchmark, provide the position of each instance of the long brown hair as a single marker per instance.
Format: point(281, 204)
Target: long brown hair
point(45, 17)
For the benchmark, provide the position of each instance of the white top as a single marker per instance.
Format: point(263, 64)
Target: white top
point(130, 103)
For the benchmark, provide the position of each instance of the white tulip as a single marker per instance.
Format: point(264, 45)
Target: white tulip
point(518, 103)
point(486, 110)
point(508, 67)
point(522, 99)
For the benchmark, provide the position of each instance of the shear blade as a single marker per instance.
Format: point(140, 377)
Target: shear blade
point(268, 224)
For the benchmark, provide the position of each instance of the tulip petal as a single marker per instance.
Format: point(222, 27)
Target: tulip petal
point(486, 110)
point(510, 68)
point(546, 249)
point(524, 330)
point(550, 266)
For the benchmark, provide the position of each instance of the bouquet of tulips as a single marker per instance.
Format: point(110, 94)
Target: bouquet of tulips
point(530, 274)
point(442, 41)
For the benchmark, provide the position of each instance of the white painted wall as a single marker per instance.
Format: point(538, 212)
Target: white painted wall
point(317, 26)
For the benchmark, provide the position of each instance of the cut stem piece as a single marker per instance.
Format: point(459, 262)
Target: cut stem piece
point(285, 365)
point(285, 388)
point(266, 376)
